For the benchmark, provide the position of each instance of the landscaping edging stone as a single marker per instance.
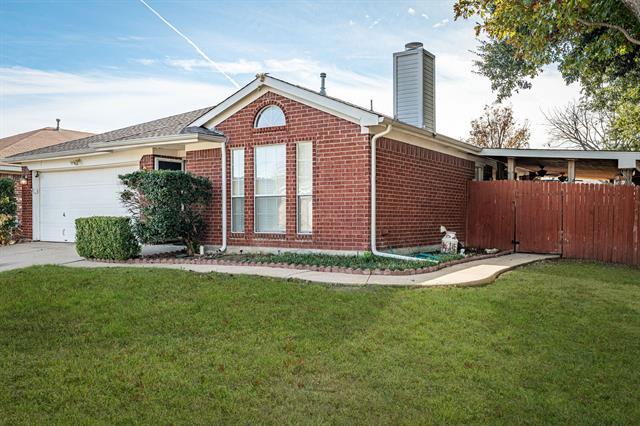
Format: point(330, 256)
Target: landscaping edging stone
point(163, 259)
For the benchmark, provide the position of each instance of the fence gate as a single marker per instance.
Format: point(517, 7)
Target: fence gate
point(538, 217)
point(581, 221)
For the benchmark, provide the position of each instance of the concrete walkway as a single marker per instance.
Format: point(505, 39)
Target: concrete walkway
point(466, 274)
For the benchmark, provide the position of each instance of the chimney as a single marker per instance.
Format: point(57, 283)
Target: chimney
point(57, 124)
point(323, 90)
point(414, 83)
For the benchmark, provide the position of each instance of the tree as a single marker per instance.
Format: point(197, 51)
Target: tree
point(167, 205)
point(8, 210)
point(575, 126)
point(497, 128)
point(594, 42)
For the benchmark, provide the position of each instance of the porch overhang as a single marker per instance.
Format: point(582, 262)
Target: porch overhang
point(597, 165)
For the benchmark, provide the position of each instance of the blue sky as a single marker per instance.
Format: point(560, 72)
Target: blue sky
point(108, 64)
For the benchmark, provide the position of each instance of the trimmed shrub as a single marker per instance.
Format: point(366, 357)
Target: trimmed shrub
point(106, 237)
point(167, 205)
point(8, 210)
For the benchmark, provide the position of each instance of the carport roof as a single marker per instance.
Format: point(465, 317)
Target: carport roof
point(168, 126)
point(589, 164)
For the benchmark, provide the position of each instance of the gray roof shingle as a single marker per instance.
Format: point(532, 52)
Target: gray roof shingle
point(167, 126)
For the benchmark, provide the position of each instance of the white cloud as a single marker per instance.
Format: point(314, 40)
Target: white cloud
point(411, 11)
point(241, 66)
point(95, 102)
point(100, 101)
point(351, 23)
point(425, 16)
point(146, 61)
point(441, 23)
point(374, 23)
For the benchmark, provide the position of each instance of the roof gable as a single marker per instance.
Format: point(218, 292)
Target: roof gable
point(264, 83)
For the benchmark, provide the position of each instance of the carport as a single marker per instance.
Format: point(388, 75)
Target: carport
point(568, 165)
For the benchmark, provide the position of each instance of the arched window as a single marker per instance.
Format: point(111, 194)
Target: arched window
point(270, 116)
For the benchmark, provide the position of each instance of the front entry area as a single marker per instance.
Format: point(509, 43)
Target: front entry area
point(60, 197)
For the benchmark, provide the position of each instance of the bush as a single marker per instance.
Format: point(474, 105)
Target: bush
point(167, 205)
point(106, 237)
point(8, 210)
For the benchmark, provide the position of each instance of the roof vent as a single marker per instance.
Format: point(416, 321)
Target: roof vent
point(413, 45)
point(414, 83)
point(57, 124)
point(323, 77)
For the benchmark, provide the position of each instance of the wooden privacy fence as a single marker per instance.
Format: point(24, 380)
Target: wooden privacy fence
point(580, 221)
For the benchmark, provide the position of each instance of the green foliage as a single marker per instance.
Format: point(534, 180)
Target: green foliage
point(106, 237)
point(548, 344)
point(167, 205)
point(594, 42)
point(366, 261)
point(8, 210)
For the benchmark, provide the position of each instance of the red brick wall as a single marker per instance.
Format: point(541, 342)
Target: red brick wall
point(419, 190)
point(23, 201)
point(340, 176)
point(27, 209)
point(207, 163)
point(147, 162)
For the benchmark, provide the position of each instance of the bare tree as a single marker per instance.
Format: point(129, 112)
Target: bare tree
point(575, 126)
point(497, 128)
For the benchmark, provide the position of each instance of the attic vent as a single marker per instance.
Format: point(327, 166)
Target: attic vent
point(414, 100)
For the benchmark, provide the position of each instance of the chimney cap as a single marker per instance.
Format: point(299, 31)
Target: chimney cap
point(413, 45)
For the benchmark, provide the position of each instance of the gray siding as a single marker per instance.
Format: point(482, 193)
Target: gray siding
point(414, 88)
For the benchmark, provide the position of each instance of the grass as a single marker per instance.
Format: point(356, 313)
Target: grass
point(355, 262)
point(552, 343)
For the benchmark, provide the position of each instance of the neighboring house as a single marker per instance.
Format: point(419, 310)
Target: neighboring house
point(292, 168)
point(29, 141)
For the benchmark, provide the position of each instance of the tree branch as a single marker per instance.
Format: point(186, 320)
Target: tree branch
point(612, 26)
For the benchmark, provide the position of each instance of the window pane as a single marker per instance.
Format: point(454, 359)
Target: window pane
point(305, 215)
point(270, 214)
point(237, 212)
point(270, 116)
point(169, 165)
point(305, 168)
point(270, 170)
point(237, 172)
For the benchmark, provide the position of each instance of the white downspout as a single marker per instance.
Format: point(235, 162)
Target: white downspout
point(223, 247)
point(374, 250)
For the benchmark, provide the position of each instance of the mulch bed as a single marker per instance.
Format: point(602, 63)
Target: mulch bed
point(170, 258)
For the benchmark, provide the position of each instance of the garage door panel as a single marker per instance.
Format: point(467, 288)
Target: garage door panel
point(66, 196)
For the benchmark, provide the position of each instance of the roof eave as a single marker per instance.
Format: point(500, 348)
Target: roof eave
point(185, 138)
point(442, 139)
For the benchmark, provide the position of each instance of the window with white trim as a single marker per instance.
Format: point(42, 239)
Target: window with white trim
point(161, 163)
point(270, 189)
point(270, 116)
point(304, 183)
point(237, 190)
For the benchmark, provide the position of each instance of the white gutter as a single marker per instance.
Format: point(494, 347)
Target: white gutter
point(374, 249)
point(223, 248)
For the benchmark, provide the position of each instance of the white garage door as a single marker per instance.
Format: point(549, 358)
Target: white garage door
point(65, 196)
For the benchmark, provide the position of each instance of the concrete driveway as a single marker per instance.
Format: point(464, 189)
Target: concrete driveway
point(37, 253)
point(40, 253)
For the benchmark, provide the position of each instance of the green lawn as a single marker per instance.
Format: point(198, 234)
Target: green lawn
point(549, 343)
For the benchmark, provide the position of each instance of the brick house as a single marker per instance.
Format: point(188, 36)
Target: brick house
point(25, 142)
point(292, 168)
